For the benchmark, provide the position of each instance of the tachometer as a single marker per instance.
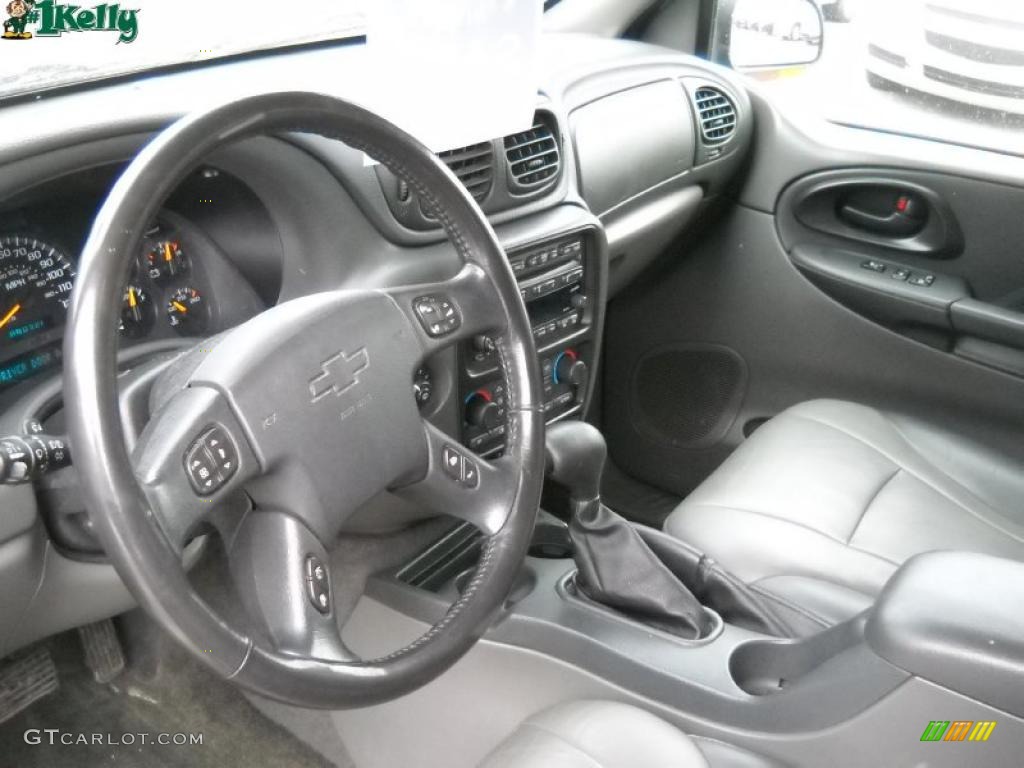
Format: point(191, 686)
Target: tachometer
point(36, 279)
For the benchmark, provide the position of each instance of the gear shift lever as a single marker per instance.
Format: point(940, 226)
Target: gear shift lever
point(614, 566)
point(638, 571)
point(575, 458)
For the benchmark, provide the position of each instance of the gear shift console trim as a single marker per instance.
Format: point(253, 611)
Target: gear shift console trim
point(568, 589)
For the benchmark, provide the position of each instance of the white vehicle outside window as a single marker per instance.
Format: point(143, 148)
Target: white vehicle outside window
point(950, 70)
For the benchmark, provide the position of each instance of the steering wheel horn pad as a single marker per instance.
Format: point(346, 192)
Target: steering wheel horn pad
point(313, 399)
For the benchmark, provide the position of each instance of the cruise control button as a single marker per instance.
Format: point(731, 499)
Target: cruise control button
point(470, 473)
point(452, 461)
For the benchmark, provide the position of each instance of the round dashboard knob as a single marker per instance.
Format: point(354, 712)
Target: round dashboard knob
point(482, 412)
point(569, 369)
point(483, 344)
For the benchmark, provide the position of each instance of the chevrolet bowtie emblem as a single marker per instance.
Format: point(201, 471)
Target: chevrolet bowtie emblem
point(338, 374)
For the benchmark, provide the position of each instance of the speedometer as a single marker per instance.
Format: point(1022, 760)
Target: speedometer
point(35, 288)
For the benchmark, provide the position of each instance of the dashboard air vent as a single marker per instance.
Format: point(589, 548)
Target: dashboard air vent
point(473, 166)
point(716, 114)
point(532, 156)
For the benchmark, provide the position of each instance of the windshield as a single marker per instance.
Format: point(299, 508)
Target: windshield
point(48, 43)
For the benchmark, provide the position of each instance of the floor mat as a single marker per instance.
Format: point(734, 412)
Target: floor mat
point(635, 500)
point(181, 698)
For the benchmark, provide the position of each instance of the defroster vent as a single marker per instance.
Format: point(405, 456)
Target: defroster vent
point(532, 156)
point(716, 114)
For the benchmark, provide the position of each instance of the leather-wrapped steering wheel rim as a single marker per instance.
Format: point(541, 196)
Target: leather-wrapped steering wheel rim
point(136, 501)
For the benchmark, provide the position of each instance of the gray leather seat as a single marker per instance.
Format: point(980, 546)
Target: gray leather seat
point(609, 734)
point(596, 734)
point(818, 508)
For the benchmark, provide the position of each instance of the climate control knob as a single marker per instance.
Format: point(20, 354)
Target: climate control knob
point(569, 369)
point(482, 411)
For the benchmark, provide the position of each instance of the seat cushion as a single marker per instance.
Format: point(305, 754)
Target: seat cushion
point(821, 505)
point(596, 734)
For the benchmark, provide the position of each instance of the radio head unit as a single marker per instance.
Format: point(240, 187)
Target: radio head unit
point(555, 277)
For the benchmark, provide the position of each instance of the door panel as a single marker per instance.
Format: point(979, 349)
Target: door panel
point(787, 297)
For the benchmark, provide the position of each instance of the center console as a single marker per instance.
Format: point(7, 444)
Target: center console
point(558, 278)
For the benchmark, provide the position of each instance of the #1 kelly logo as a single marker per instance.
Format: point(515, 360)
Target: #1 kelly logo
point(55, 19)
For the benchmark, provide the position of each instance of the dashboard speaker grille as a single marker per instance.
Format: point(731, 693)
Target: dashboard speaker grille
point(716, 114)
point(532, 156)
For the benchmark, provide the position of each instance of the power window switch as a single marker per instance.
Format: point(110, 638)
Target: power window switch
point(925, 281)
point(874, 266)
point(900, 274)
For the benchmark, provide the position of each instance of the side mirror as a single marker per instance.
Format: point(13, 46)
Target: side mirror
point(769, 34)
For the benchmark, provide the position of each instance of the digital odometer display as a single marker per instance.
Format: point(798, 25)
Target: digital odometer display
point(36, 279)
point(26, 366)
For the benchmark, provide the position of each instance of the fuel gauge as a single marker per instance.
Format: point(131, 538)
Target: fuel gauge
point(166, 259)
point(186, 311)
point(136, 313)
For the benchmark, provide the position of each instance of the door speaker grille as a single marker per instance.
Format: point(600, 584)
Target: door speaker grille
point(687, 396)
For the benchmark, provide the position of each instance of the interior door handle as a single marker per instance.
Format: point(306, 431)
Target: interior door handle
point(904, 220)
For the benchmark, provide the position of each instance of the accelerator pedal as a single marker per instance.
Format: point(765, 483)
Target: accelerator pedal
point(103, 653)
point(24, 679)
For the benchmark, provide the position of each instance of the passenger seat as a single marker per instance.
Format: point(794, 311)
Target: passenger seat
point(822, 504)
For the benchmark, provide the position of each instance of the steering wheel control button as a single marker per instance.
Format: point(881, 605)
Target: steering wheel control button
point(222, 450)
point(459, 467)
point(470, 473)
point(318, 585)
point(211, 461)
point(452, 461)
point(201, 471)
point(437, 315)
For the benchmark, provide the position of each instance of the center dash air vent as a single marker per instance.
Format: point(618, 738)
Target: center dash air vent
point(716, 114)
point(532, 156)
point(473, 166)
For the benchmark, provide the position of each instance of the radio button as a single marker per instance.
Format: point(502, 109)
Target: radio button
point(572, 249)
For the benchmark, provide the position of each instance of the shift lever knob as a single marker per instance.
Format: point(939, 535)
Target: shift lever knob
point(575, 458)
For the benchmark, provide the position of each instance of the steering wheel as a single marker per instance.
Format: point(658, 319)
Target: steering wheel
point(278, 430)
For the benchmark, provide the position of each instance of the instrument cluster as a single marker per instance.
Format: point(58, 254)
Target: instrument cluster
point(165, 295)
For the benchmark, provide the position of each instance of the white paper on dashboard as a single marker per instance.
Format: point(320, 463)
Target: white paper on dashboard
point(453, 72)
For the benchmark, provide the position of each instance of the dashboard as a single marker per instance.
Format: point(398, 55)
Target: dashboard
point(583, 203)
